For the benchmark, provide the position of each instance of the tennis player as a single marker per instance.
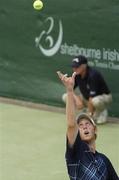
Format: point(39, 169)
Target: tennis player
point(82, 159)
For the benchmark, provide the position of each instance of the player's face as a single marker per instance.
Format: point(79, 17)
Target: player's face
point(87, 130)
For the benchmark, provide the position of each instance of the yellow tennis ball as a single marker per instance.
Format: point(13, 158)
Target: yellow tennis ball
point(38, 4)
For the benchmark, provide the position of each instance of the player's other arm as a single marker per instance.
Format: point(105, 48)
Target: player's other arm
point(72, 128)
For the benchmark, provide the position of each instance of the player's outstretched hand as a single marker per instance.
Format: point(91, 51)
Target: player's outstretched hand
point(67, 81)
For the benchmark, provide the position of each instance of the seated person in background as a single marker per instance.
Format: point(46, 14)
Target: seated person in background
point(94, 95)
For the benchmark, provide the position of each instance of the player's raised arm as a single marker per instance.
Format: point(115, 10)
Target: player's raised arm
point(72, 128)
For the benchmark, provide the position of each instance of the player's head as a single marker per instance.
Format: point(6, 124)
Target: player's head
point(79, 64)
point(87, 127)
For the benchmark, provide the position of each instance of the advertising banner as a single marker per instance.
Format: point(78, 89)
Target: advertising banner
point(35, 44)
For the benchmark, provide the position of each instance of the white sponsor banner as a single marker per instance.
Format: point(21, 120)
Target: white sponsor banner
point(104, 58)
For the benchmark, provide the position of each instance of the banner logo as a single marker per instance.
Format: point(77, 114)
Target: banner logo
point(53, 47)
point(50, 43)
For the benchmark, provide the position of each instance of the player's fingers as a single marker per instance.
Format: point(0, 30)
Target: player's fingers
point(62, 76)
point(74, 75)
point(59, 74)
point(65, 75)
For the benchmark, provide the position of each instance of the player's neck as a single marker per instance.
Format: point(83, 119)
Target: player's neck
point(92, 146)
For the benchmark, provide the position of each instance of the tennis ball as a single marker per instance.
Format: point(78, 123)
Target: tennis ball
point(38, 4)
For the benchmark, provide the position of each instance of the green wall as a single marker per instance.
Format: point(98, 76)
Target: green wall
point(35, 44)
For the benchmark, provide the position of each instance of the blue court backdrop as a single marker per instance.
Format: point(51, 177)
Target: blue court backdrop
point(35, 44)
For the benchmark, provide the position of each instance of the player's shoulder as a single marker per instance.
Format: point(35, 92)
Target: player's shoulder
point(104, 157)
point(112, 173)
